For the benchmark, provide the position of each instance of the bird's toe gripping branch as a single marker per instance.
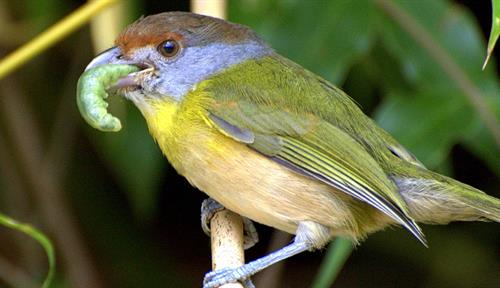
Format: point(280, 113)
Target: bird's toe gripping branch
point(208, 209)
point(223, 276)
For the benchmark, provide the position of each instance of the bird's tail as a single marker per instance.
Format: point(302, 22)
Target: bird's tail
point(436, 199)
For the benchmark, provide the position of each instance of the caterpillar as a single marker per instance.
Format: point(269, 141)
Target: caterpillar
point(92, 91)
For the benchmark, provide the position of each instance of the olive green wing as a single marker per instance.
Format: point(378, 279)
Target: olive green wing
point(313, 147)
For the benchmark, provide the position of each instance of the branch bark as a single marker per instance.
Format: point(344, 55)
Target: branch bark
point(227, 242)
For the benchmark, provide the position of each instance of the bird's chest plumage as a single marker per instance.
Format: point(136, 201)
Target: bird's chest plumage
point(239, 178)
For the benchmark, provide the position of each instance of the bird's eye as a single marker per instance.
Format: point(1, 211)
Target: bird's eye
point(168, 48)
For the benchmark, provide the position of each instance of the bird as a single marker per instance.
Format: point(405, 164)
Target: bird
point(274, 142)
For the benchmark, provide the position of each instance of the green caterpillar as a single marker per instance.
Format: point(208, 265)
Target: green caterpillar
point(92, 90)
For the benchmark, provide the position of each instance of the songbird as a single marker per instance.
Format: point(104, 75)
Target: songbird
point(274, 142)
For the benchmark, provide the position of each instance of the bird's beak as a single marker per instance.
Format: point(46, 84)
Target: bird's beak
point(106, 57)
point(113, 56)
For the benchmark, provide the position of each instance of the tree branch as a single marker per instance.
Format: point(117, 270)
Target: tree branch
point(226, 229)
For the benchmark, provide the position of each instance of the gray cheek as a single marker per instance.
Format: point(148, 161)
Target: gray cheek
point(196, 64)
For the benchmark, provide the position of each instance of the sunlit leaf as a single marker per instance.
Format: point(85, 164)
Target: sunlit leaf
point(495, 30)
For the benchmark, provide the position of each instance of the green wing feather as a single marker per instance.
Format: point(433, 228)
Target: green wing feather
point(306, 124)
point(316, 149)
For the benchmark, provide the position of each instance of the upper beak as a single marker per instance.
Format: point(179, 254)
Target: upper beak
point(105, 57)
point(112, 56)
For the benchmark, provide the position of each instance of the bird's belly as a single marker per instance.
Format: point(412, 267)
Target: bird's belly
point(256, 187)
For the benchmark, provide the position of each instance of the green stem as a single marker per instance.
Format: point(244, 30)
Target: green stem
point(334, 260)
point(39, 237)
point(52, 35)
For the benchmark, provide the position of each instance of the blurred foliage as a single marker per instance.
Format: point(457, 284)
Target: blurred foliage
point(139, 173)
point(338, 253)
point(126, 200)
point(309, 32)
point(453, 30)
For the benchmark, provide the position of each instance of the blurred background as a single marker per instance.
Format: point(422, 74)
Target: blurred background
point(120, 216)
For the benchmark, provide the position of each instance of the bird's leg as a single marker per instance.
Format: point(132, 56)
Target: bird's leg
point(208, 209)
point(305, 239)
point(219, 277)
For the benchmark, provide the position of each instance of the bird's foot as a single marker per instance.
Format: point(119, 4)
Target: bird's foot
point(208, 209)
point(223, 276)
point(250, 235)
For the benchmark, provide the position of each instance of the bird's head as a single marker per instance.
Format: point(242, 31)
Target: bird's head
point(177, 50)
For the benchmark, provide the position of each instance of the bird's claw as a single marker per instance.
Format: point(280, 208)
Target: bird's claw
point(208, 209)
point(250, 235)
point(223, 276)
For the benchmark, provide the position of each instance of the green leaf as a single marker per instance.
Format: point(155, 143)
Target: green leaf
point(323, 36)
point(334, 260)
point(495, 30)
point(39, 237)
point(455, 32)
point(450, 28)
point(479, 140)
point(427, 123)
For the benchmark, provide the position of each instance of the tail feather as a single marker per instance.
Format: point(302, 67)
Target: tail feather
point(487, 206)
point(437, 199)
